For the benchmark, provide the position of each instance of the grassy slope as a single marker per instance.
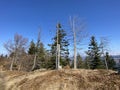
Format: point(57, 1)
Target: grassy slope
point(60, 80)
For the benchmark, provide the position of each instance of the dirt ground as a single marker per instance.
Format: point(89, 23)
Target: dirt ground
point(66, 79)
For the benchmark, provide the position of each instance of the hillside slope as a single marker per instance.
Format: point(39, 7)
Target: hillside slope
point(60, 80)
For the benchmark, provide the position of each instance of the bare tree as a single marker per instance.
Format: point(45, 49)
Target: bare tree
point(16, 48)
point(36, 52)
point(78, 33)
point(104, 48)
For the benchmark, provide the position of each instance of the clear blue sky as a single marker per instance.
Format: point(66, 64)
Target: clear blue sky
point(26, 16)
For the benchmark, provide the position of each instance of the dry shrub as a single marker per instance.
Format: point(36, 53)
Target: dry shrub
point(66, 67)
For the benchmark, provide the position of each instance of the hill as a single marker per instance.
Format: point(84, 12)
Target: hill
point(67, 79)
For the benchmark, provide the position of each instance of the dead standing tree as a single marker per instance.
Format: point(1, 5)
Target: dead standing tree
point(104, 48)
point(78, 33)
point(16, 48)
point(36, 52)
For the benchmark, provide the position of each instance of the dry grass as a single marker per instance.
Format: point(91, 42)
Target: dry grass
point(66, 79)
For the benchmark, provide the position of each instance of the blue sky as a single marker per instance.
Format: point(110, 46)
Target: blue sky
point(25, 17)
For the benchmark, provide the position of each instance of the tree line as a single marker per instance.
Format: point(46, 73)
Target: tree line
point(38, 57)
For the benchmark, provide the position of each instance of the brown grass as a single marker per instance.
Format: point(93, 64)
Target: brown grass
point(66, 79)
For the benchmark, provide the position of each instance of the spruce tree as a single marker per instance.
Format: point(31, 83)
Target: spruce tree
point(38, 51)
point(32, 48)
point(94, 54)
point(41, 56)
point(110, 61)
point(86, 62)
point(63, 42)
point(79, 61)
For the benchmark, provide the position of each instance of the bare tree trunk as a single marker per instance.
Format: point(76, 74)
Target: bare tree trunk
point(16, 47)
point(56, 59)
point(58, 50)
point(106, 64)
point(74, 38)
point(35, 58)
point(36, 53)
point(75, 51)
point(11, 66)
point(58, 56)
point(20, 64)
point(88, 66)
point(19, 67)
point(78, 33)
point(105, 60)
point(103, 46)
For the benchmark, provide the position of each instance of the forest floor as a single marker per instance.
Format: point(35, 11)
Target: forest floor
point(65, 79)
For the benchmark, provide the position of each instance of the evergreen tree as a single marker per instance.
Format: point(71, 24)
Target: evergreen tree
point(110, 61)
point(118, 68)
point(62, 40)
point(41, 56)
point(38, 51)
point(41, 50)
point(86, 62)
point(79, 61)
point(32, 48)
point(94, 54)
point(51, 64)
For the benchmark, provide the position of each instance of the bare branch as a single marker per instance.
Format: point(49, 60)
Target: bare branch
point(78, 33)
point(16, 48)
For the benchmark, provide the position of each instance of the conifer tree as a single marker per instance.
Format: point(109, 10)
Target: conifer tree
point(32, 48)
point(86, 62)
point(79, 61)
point(41, 56)
point(38, 54)
point(63, 42)
point(110, 61)
point(94, 54)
